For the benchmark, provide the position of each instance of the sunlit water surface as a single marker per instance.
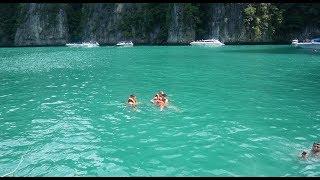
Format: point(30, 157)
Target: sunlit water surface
point(234, 111)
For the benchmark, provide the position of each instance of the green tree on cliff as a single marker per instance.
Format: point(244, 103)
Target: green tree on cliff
point(262, 20)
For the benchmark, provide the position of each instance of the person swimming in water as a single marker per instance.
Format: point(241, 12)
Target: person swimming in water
point(157, 97)
point(303, 155)
point(132, 100)
point(315, 151)
point(165, 99)
point(162, 101)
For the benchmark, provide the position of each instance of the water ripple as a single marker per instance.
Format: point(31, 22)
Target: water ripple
point(236, 111)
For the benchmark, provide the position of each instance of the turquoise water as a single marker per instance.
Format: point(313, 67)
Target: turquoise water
point(234, 111)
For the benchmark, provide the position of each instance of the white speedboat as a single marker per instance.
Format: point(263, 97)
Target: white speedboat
point(313, 44)
point(90, 44)
point(73, 44)
point(207, 42)
point(124, 43)
point(84, 44)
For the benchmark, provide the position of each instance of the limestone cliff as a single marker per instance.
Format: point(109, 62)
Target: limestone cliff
point(110, 23)
point(43, 24)
point(180, 31)
point(226, 22)
point(31, 24)
point(101, 22)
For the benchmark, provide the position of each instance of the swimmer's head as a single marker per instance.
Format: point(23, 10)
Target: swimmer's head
point(132, 96)
point(316, 147)
point(161, 92)
point(304, 155)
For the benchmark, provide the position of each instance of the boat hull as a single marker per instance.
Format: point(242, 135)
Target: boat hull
point(87, 45)
point(205, 44)
point(125, 44)
point(308, 45)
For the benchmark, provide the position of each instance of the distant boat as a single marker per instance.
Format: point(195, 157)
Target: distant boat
point(124, 43)
point(84, 44)
point(207, 42)
point(313, 44)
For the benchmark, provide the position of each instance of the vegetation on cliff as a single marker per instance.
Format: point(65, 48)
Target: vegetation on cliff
point(262, 20)
point(150, 22)
point(140, 21)
point(8, 22)
point(298, 16)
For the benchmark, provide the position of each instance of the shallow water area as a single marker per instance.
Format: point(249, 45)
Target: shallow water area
point(234, 111)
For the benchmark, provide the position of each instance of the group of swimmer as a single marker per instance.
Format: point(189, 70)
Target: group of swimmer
point(160, 99)
point(315, 151)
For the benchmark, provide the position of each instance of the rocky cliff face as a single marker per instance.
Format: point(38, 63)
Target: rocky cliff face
point(108, 23)
point(8, 23)
point(41, 27)
point(226, 22)
point(307, 33)
point(101, 22)
point(111, 23)
point(180, 31)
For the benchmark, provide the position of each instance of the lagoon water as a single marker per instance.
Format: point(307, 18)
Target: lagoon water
point(234, 111)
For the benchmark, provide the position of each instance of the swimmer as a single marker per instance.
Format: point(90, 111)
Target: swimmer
point(162, 102)
point(132, 101)
point(303, 155)
point(165, 99)
point(157, 97)
point(316, 149)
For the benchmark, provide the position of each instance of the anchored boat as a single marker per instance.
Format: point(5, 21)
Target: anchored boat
point(207, 42)
point(124, 43)
point(84, 44)
point(313, 44)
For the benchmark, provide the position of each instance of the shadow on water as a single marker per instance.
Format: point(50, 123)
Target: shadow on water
point(274, 50)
